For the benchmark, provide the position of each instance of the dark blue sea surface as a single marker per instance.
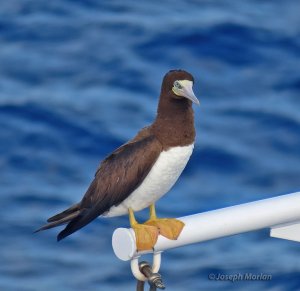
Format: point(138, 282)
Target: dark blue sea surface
point(79, 78)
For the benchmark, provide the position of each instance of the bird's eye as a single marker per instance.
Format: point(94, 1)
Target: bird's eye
point(177, 85)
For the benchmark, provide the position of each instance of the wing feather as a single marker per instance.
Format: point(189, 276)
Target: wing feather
point(116, 178)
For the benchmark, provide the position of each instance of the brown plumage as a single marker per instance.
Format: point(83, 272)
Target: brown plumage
point(126, 168)
point(174, 123)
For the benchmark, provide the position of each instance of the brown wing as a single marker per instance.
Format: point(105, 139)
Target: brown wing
point(117, 177)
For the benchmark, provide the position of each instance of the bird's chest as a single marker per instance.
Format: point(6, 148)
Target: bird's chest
point(161, 177)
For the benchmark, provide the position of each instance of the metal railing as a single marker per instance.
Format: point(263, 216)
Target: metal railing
point(281, 214)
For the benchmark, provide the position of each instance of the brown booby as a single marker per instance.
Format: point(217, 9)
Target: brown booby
point(142, 170)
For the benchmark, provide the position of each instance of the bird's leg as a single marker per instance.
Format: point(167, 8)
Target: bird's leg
point(145, 235)
point(167, 227)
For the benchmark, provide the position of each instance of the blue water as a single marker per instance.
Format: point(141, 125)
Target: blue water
point(79, 78)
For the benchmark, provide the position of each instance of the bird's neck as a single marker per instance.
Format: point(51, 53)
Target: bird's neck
point(174, 123)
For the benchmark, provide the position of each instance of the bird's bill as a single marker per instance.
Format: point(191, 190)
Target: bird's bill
point(189, 93)
point(185, 89)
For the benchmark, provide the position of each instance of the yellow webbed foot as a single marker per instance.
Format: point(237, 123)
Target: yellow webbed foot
point(146, 236)
point(167, 227)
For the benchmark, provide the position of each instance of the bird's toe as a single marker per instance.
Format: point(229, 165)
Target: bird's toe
point(167, 227)
point(146, 236)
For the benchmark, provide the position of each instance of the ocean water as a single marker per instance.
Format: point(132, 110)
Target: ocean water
point(79, 78)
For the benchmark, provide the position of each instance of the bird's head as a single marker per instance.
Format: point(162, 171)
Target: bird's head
point(178, 84)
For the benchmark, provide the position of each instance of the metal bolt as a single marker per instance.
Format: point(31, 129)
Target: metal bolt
point(154, 279)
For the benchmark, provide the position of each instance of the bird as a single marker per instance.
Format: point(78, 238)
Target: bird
point(141, 171)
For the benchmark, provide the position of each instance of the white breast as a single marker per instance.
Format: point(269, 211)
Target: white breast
point(158, 182)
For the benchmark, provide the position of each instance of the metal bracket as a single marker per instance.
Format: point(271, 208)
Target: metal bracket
point(134, 263)
point(154, 279)
point(144, 272)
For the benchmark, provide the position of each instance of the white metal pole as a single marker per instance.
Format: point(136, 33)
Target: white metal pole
point(267, 213)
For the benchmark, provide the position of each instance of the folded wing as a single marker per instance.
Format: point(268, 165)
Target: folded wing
point(116, 178)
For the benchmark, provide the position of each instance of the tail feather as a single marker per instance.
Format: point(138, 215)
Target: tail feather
point(65, 213)
point(62, 221)
point(85, 217)
point(62, 218)
point(75, 217)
